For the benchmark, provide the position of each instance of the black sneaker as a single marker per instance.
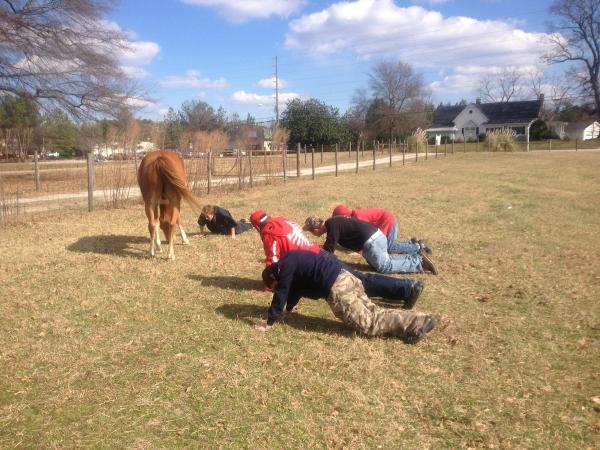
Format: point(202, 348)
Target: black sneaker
point(428, 325)
point(427, 265)
point(415, 291)
point(424, 246)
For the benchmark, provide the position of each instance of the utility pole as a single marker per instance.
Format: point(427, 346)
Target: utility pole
point(276, 94)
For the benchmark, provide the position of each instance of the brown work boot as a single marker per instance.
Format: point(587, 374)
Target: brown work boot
point(427, 265)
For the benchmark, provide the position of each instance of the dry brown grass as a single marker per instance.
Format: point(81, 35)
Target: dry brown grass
point(101, 346)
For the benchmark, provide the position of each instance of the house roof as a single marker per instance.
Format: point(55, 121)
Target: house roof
point(512, 112)
point(444, 116)
point(498, 113)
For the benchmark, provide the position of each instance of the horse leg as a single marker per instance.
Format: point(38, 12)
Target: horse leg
point(184, 237)
point(152, 215)
point(168, 223)
point(172, 227)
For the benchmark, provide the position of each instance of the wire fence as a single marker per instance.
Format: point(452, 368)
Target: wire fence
point(44, 186)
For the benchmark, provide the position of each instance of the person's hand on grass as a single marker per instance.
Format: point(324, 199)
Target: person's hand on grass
point(262, 327)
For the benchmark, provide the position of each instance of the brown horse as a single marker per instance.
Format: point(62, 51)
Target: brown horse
point(163, 184)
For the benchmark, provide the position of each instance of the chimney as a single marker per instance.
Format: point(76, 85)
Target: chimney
point(478, 101)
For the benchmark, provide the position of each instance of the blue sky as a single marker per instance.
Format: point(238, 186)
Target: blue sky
point(223, 51)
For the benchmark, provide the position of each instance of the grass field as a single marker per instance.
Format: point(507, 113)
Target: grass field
point(102, 347)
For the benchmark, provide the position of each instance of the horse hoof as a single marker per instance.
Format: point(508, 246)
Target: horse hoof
point(186, 242)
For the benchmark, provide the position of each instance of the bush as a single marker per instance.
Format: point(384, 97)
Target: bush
point(418, 138)
point(502, 140)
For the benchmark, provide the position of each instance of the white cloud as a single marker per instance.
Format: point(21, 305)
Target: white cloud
point(248, 98)
point(425, 39)
point(244, 10)
point(269, 83)
point(466, 78)
point(139, 53)
point(192, 79)
point(429, 2)
point(135, 72)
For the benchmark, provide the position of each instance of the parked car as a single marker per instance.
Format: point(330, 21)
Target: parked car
point(52, 155)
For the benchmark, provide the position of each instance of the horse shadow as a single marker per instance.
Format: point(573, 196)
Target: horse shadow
point(253, 314)
point(111, 244)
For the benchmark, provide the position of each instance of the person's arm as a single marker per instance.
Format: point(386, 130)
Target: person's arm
point(271, 249)
point(202, 224)
point(333, 235)
point(280, 296)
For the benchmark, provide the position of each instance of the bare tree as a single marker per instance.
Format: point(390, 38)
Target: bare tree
point(576, 39)
point(557, 92)
point(398, 88)
point(60, 53)
point(501, 86)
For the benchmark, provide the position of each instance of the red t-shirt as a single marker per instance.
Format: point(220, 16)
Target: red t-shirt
point(381, 218)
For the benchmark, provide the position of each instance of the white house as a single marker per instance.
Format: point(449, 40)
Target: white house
point(583, 130)
point(461, 123)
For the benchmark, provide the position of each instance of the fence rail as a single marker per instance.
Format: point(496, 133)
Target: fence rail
point(38, 186)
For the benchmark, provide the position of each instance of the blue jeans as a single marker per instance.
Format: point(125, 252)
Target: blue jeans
point(377, 285)
point(375, 251)
point(396, 246)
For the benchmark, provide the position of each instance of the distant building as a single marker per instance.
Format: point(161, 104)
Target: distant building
point(247, 137)
point(460, 123)
point(583, 130)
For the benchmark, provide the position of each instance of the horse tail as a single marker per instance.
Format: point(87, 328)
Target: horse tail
point(176, 178)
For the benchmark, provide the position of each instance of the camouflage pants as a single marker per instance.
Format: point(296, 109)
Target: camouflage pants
point(349, 303)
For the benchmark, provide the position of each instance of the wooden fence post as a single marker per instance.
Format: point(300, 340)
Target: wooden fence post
point(374, 155)
point(426, 150)
point(390, 151)
point(403, 151)
point(452, 148)
point(357, 148)
point(312, 161)
point(321, 153)
point(209, 172)
point(465, 145)
point(336, 160)
point(284, 154)
point(250, 167)
point(90, 177)
point(304, 153)
point(417, 152)
point(350, 151)
point(239, 161)
point(36, 167)
point(298, 161)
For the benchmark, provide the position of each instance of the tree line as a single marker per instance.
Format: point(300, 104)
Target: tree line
point(62, 89)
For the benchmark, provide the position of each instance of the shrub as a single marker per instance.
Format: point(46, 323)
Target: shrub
point(417, 140)
point(502, 140)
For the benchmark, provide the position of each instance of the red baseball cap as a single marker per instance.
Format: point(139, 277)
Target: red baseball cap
point(341, 210)
point(258, 218)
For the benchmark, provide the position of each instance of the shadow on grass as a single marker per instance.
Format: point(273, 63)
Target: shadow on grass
point(229, 282)
point(252, 314)
point(111, 244)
